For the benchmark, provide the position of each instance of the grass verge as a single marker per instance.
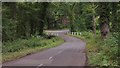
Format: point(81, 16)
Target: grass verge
point(100, 52)
point(23, 47)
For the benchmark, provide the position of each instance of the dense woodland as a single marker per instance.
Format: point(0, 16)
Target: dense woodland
point(22, 20)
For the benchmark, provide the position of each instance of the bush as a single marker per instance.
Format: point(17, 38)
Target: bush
point(22, 47)
point(24, 43)
point(101, 52)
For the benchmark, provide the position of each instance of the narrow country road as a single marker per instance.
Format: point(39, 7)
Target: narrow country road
point(70, 53)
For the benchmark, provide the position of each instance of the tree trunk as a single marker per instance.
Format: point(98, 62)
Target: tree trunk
point(94, 25)
point(72, 21)
point(94, 20)
point(114, 16)
point(31, 28)
point(104, 20)
point(104, 28)
point(43, 15)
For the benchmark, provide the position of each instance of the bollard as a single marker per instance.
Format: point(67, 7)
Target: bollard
point(80, 33)
point(77, 33)
point(72, 33)
point(51, 33)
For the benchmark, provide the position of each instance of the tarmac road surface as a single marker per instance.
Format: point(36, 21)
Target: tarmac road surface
point(71, 53)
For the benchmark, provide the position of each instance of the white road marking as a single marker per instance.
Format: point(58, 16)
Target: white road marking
point(40, 65)
point(50, 58)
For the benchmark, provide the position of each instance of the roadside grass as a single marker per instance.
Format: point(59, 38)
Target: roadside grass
point(100, 52)
point(22, 47)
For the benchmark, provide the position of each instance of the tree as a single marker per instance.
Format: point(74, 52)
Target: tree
point(114, 17)
point(43, 13)
point(21, 20)
point(104, 12)
point(9, 15)
point(94, 17)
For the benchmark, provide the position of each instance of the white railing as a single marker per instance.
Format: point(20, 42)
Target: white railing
point(75, 33)
point(52, 33)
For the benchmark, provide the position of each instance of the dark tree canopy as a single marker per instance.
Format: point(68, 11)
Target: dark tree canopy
point(22, 20)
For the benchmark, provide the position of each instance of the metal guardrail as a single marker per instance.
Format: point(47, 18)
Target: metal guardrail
point(76, 33)
point(57, 34)
point(52, 33)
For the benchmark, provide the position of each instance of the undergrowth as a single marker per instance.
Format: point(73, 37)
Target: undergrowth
point(23, 47)
point(100, 52)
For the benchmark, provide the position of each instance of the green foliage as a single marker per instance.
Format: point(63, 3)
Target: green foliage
point(20, 44)
point(101, 52)
point(23, 47)
point(21, 21)
point(106, 53)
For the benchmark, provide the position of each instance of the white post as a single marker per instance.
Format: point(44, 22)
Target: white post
point(80, 33)
point(51, 33)
point(77, 33)
point(72, 33)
